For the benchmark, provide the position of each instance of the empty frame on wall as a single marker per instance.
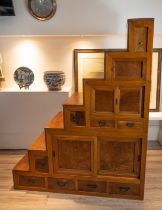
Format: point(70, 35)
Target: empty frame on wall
point(89, 63)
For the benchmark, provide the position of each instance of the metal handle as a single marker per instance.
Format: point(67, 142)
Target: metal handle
point(61, 183)
point(130, 124)
point(124, 189)
point(140, 44)
point(93, 186)
point(102, 123)
point(40, 163)
point(31, 181)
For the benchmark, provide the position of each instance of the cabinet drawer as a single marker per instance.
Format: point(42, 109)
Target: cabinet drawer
point(102, 123)
point(92, 186)
point(77, 118)
point(61, 184)
point(41, 164)
point(31, 181)
point(124, 189)
point(130, 124)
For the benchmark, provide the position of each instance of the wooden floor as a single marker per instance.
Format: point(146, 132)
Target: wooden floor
point(11, 199)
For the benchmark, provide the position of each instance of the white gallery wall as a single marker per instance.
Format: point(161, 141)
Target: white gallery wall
point(82, 17)
point(49, 45)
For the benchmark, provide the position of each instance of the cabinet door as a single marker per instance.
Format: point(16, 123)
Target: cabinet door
point(131, 101)
point(73, 154)
point(119, 156)
point(128, 69)
point(102, 100)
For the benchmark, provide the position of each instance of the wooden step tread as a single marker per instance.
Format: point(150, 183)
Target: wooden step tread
point(75, 99)
point(39, 144)
point(57, 121)
point(23, 164)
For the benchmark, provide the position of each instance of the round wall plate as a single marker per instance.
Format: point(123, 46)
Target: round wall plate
point(24, 77)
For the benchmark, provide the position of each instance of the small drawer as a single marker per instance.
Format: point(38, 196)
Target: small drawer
point(92, 186)
point(130, 124)
point(41, 164)
point(77, 118)
point(102, 123)
point(31, 181)
point(61, 184)
point(124, 189)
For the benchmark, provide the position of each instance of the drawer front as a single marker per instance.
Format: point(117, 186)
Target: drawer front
point(102, 123)
point(31, 181)
point(41, 164)
point(77, 118)
point(124, 189)
point(130, 124)
point(61, 184)
point(91, 186)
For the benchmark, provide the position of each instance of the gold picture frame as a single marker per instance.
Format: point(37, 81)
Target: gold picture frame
point(42, 9)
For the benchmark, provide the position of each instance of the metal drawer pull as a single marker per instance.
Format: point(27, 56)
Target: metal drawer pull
point(75, 118)
point(140, 44)
point(61, 184)
point(31, 181)
point(102, 123)
point(40, 163)
point(130, 124)
point(124, 189)
point(93, 186)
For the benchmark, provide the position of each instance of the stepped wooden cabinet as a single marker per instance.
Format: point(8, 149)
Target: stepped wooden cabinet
point(97, 145)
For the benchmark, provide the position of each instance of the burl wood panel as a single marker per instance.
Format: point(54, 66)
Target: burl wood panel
point(74, 155)
point(140, 39)
point(125, 69)
point(104, 100)
point(77, 118)
point(117, 157)
point(130, 100)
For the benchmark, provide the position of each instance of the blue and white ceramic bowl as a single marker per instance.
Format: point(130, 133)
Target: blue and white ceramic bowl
point(54, 79)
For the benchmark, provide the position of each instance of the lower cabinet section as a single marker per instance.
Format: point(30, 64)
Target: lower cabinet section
point(79, 185)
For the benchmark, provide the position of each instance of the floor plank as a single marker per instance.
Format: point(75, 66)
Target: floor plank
point(11, 199)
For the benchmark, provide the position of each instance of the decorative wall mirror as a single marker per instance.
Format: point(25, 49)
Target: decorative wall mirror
point(89, 63)
point(42, 9)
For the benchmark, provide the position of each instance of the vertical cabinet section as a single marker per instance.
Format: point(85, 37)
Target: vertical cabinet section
point(120, 157)
point(73, 154)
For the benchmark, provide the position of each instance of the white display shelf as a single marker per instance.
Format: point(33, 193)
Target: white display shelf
point(64, 90)
point(155, 116)
point(23, 115)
